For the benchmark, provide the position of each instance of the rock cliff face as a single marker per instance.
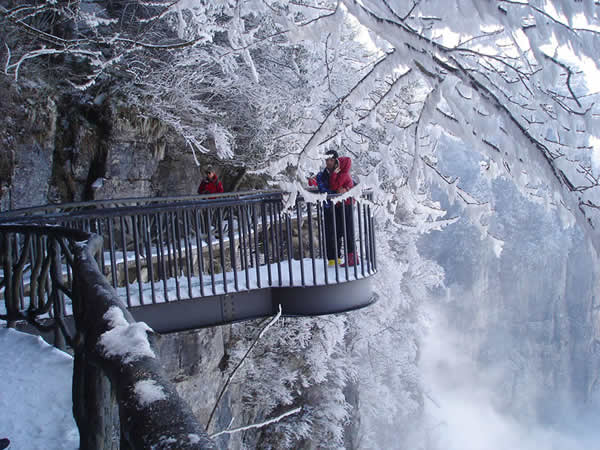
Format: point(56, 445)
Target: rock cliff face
point(78, 148)
point(195, 362)
point(26, 146)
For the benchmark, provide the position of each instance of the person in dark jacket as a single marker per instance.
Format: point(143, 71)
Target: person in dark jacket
point(335, 178)
point(210, 184)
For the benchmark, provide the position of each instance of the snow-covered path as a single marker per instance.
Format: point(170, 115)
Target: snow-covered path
point(35, 394)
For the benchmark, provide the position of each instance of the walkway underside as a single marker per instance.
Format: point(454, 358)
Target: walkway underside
point(228, 308)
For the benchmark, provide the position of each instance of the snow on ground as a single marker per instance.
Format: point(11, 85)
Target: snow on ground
point(35, 394)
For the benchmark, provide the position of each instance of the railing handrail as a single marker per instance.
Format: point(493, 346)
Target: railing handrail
point(67, 208)
point(75, 209)
point(147, 208)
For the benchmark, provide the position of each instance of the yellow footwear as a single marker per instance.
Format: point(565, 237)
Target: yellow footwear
point(331, 262)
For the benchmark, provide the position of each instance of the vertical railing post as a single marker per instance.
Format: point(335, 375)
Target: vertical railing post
point(232, 247)
point(149, 262)
point(98, 230)
point(360, 238)
point(58, 298)
point(222, 249)
point(265, 233)
point(311, 239)
point(356, 259)
point(36, 258)
point(290, 246)
point(163, 273)
point(300, 243)
point(9, 299)
point(17, 279)
point(125, 263)
point(189, 263)
point(368, 243)
point(138, 264)
point(372, 227)
point(345, 236)
point(278, 240)
point(18, 288)
point(245, 242)
point(113, 260)
point(210, 251)
point(249, 232)
point(322, 237)
point(336, 249)
point(197, 225)
point(176, 246)
point(257, 255)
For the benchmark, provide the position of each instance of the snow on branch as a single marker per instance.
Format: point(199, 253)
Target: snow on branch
point(320, 134)
point(529, 73)
point(258, 425)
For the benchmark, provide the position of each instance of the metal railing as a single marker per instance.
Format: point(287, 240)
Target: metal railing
point(167, 249)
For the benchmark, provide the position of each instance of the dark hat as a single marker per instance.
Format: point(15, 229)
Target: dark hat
point(333, 154)
point(209, 168)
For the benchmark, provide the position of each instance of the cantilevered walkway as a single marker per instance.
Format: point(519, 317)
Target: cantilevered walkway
point(188, 262)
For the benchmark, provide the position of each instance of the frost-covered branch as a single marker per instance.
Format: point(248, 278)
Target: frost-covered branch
point(258, 425)
point(240, 363)
point(509, 97)
point(319, 134)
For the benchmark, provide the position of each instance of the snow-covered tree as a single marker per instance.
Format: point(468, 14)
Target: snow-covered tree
point(514, 79)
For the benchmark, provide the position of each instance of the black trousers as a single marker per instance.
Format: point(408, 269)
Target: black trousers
point(337, 213)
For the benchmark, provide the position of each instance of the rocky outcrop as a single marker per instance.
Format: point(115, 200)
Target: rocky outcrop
point(64, 148)
point(26, 145)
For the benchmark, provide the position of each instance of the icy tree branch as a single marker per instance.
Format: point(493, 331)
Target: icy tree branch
point(257, 425)
point(239, 365)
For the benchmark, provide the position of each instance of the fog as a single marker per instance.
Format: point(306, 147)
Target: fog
point(463, 409)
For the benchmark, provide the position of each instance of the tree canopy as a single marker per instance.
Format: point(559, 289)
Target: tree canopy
point(514, 79)
point(277, 81)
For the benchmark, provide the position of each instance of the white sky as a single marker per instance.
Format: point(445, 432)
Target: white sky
point(35, 394)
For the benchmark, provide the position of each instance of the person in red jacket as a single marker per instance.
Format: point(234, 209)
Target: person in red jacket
point(340, 182)
point(211, 184)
